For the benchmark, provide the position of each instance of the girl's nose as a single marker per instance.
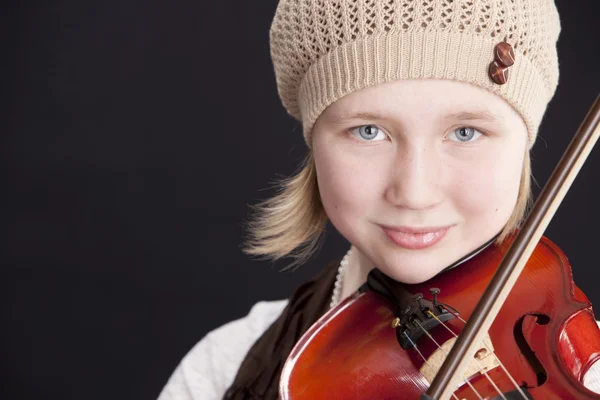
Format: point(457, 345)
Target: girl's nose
point(415, 178)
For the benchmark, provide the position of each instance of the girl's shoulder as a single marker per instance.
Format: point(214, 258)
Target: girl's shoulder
point(210, 366)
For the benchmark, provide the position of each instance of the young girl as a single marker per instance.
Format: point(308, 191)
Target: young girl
point(419, 117)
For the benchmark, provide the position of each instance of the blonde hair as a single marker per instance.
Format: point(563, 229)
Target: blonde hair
point(291, 223)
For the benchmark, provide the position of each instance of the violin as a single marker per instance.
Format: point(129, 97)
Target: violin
point(506, 323)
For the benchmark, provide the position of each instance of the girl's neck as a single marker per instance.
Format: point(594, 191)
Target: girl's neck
point(356, 273)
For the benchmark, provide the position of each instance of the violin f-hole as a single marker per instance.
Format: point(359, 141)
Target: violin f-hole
point(526, 350)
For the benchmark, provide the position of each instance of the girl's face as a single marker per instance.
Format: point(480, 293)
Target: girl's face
point(418, 173)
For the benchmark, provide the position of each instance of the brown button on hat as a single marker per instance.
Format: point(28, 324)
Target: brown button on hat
point(504, 54)
point(504, 57)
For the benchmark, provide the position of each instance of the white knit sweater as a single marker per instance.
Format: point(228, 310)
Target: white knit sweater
point(206, 372)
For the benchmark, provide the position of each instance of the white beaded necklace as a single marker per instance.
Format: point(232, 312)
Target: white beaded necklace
point(337, 287)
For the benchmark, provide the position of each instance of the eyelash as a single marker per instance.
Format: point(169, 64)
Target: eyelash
point(357, 136)
point(453, 130)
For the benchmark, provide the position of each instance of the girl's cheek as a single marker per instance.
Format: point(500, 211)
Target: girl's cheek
point(347, 187)
point(490, 190)
point(347, 190)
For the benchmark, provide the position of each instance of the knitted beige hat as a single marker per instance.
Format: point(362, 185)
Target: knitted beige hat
point(323, 50)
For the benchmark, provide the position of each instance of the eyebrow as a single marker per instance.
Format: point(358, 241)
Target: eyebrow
point(359, 115)
point(481, 115)
point(364, 115)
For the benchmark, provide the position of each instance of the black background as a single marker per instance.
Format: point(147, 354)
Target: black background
point(134, 134)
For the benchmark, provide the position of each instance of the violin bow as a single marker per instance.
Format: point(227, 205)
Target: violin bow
point(450, 374)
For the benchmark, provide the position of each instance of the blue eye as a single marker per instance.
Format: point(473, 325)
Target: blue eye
point(465, 134)
point(368, 133)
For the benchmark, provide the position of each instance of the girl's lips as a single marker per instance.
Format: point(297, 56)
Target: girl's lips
point(415, 238)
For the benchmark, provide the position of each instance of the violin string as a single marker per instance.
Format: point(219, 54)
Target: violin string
point(424, 359)
point(482, 371)
point(446, 354)
point(510, 377)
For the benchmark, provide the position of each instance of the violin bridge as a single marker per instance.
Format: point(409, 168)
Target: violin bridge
point(483, 360)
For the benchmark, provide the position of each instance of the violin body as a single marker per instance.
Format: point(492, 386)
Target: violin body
point(545, 336)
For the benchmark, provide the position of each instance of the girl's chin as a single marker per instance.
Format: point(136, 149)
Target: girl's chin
point(411, 279)
point(417, 266)
point(412, 270)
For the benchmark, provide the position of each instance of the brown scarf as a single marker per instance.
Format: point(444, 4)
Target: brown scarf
point(258, 376)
